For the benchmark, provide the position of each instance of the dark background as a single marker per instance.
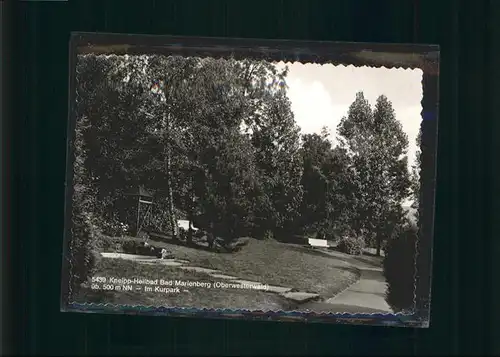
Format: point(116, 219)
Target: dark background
point(464, 305)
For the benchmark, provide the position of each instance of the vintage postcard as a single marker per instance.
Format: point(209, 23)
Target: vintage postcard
point(258, 179)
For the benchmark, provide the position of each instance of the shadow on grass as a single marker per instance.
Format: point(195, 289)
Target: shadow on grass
point(201, 243)
point(195, 244)
point(278, 264)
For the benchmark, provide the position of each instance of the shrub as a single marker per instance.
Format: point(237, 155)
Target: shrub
point(131, 246)
point(352, 245)
point(128, 245)
point(114, 228)
point(159, 219)
point(109, 244)
point(399, 269)
point(183, 233)
point(320, 235)
point(268, 234)
point(238, 244)
point(83, 252)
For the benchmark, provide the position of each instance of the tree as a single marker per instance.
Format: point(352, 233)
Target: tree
point(114, 98)
point(324, 169)
point(341, 195)
point(211, 138)
point(415, 177)
point(248, 98)
point(171, 77)
point(162, 83)
point(100, 106)
point(316, 152)
point(222, 158)
point(377, 146)
point(327, 205)
point(276, 139)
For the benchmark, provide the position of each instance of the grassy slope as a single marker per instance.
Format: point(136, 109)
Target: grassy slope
point(275, 263)
point(194, 297)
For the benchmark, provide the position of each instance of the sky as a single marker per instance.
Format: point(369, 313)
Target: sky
point(320, 95)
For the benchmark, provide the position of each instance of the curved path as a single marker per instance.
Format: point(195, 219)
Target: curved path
point(367, 295)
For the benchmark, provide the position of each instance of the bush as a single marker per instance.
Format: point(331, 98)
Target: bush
point(83, 248)
point(127, 245)
point(159, 220)
point(352, 245)
point(238, 244)
point(110, 244)
point(130, 246)
point(268, 234)
point(399, 269)
point(83, 252)
point(115, 229)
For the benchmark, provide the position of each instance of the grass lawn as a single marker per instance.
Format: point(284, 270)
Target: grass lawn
point(274, 263)
point(193, 297)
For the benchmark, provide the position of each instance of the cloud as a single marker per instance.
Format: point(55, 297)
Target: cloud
point(312, 106)
point(320, 95)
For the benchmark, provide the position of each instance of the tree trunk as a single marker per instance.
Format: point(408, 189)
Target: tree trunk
point(211, 235)
point(190, 213)
point(210, 240)
point(170, 197)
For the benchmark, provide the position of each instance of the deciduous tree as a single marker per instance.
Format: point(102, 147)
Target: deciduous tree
point(377, 145)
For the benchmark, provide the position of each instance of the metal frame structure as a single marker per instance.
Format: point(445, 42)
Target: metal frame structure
point(144, 199)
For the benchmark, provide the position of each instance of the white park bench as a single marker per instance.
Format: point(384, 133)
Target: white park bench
point(318, 243)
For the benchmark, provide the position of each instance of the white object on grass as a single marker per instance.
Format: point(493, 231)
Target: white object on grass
point(184, 224)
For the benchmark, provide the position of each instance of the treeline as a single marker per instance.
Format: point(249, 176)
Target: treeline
point(216, 142)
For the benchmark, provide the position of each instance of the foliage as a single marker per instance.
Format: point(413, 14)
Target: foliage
point(82, 254)
point(399, 269)
point(110, 244)
point(316, 153)
point(327, 189)
point(376, 146)
point(352, 245)
point(279, 164)
point(182, 153)
point(415, 177)
point(130, 246)
point(268, 235)
point(82, 251)
point(221, 165)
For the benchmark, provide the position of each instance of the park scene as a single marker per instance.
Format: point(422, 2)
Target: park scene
point(288, 186)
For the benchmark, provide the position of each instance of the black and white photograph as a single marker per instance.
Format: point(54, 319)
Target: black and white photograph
point(245, 183)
